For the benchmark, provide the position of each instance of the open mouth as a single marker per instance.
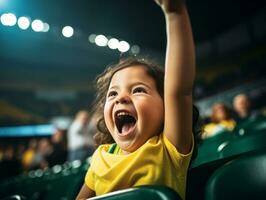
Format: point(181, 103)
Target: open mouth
point(124, 121)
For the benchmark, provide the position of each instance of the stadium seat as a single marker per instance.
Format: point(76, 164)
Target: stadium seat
point(244, 144)
point(142, 192)
point(243, 178)
point(249, 126)
point(15, 197)
point(209, 149)
point(58, 182)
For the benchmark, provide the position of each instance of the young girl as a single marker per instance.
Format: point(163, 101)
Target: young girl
point(150, 122)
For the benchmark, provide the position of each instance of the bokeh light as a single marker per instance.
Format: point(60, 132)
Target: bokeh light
point(23, 23)
point(46, 27)
point(101, 40)
point(123, 46)
point(92, 38)
point(113, 43)
point(8, 19)
point(68, 31)
point(37, 25)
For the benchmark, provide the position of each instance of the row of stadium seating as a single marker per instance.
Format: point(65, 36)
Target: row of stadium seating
point(59, 182)
point(245, 137)
point(226, 164)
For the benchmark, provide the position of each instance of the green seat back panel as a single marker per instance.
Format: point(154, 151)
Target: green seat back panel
point(248, 143)
point(243, 178)
point(142, 192)
point(208, 150)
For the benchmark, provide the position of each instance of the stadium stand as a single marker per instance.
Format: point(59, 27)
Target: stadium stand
point(243, 178)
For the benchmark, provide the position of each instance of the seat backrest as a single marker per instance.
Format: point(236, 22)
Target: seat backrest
point(142, 192)
point(15, 197)
point(243, 178)
point(244, 144)
point(208, 149)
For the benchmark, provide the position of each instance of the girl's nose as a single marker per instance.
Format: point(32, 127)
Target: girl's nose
point(123, 99)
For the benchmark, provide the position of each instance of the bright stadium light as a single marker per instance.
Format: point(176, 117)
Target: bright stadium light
point(92, 38)
point(46, 27)
point(101, 40)
point(4, 18)
point(23, 23)
point(113, 43)
point(135, 49)
point(67, 31)
point(123, 46)
point(8, 19)
point(37, 25)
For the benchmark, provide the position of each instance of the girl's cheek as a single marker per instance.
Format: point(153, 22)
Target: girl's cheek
point(107, 114)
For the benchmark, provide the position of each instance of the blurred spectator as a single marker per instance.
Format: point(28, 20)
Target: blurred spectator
point(29, 154)
point(59, 150)
point(221, 121)
point(243, 109)
point(1, 153)
point(21, 148)
point(93, 129)
point(9, 165)
point(78, 137)
point(43, 151)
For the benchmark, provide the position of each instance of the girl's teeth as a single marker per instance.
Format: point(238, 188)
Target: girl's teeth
point(122, 113)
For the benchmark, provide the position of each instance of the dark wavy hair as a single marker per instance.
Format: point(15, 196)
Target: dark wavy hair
point(156, 72)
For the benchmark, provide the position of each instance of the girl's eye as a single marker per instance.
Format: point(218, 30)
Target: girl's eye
point(112, 94)
point(139, 90)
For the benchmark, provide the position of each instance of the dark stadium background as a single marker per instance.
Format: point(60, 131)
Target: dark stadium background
point(46, 78)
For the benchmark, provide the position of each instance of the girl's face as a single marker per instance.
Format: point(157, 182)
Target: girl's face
point(133, 110)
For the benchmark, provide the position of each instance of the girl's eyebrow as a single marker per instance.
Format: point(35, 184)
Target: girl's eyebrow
point(133, 85)
point(141, 83)
point(114, 87)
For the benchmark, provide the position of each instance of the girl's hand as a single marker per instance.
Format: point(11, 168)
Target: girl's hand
point(170, 6)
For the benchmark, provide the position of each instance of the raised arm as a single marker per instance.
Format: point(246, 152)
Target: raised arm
point(179, 74)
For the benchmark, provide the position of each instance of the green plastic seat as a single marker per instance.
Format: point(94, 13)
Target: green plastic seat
point(15, 197)
point(243, 178)
point(142, 192)
point(249, 126)
point(209, 149)
point(67, 184)
point(59, 182)
point(244, 144)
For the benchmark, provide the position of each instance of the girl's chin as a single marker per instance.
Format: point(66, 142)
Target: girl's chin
point(125, 149)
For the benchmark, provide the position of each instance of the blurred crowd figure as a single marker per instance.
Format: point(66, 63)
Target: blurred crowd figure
point(74, 143)
point(58, 152)
point(45, 152)
point(225, 118)
point(221, 120)
point(243, 108)
point(9, 163)
point(80, 140)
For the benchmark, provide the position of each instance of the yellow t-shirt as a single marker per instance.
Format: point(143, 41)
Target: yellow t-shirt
point(157, 162)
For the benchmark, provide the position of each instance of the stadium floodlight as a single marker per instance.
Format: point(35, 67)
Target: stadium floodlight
point(8, 19)
point(113, 43)
point(101, 40)
point(67, 31)
point(23, 23)
point(37, 25)
point(123, 46)
point(46, 27)
point(92, 38)
point(135, 49)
